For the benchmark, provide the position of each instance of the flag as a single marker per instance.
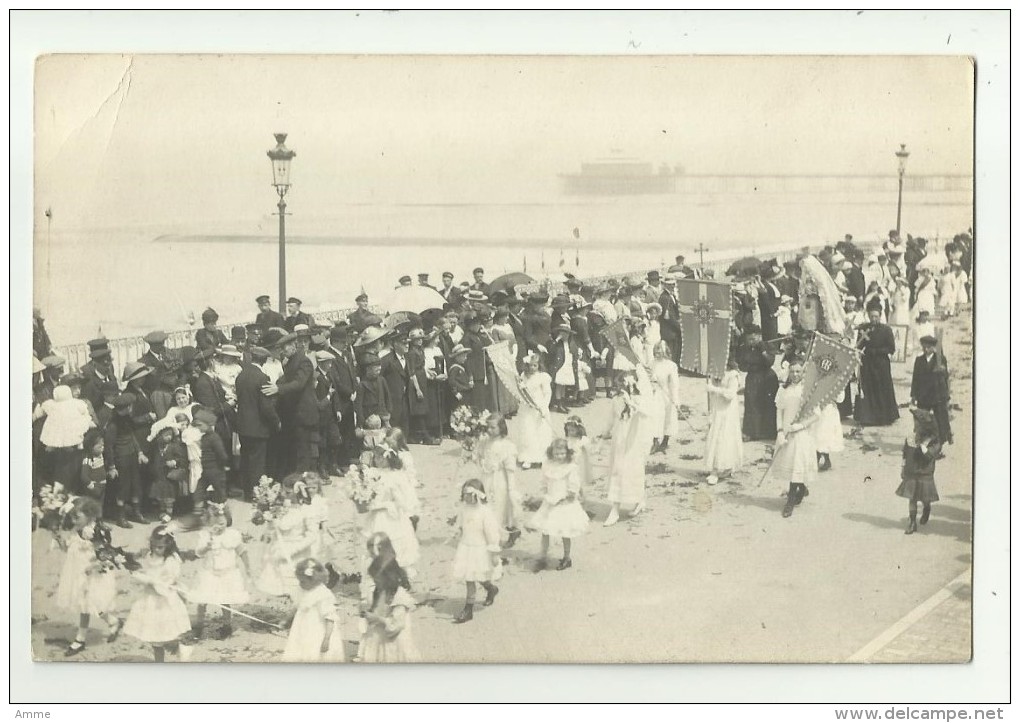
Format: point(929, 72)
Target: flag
point(618, 337)
point(705, 313)
point(577, 258)
point(525, 263)
point(543, 261)
point(505, 365)
point(827, 371)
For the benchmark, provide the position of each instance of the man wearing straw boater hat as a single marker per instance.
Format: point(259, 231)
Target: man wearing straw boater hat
point(268, 317)
point(257, 419)
point(296, 403)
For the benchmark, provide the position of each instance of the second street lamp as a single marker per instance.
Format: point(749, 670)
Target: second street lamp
point(281, 158)
point(902, 154)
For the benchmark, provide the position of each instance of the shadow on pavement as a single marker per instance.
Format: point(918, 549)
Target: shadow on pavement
point(943, 528)
point(957, 514)
point(773, 504)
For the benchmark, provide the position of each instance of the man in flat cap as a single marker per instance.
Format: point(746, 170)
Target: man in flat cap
point(160, 382)
point(296, 403)
point(98, 375)
point(268, 317)
point(257, 419)
point(479, 283)
point(362, 317)
point(423, 280)
point(449, 291)
point(929, 386)
point(295, 316)
point(403, 281)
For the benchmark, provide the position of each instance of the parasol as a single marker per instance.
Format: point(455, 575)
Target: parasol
point(399, 318)
point(935, 263)
point(747, 266)
point(415, 299)
point(507, 282)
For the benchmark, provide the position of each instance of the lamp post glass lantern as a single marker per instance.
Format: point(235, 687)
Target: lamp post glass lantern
point(901, 155)
point(281, 157)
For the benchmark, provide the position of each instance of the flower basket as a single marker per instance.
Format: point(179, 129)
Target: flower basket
point(361, 507)
point(362, 486)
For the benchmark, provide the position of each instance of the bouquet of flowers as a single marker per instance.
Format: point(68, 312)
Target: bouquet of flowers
point(51, 510)
point(363, 485)
point(469, 426)
point(111, 558)
point(268, 500)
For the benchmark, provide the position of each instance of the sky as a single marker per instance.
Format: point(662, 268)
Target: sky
point(179, 141)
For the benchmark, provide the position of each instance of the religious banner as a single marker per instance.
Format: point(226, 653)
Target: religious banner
point(505, 364)
point(619, 338)
point(705, 312)
point(827, 370)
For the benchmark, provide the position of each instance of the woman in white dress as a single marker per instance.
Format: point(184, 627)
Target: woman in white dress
point(533, 428)
point(496, 454)
point(630, 432)
point(794, 458)
point(924, 292)
point(899, 300)
point(724, 448)
point(666, 380)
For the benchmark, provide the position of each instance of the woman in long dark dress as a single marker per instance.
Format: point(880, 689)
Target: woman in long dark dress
point(760, 387)
point(876, 407)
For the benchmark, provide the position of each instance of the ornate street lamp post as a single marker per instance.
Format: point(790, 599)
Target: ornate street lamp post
point(902, 154)
point(281, 158)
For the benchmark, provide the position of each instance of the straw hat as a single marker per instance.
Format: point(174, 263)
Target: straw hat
point(458, 350)
point(369, 336)
point(229, 350)
point(134, 371)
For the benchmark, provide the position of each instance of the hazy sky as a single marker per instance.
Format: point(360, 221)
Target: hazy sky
point(181, 140)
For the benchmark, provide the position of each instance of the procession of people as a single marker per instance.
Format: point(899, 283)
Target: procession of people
point(170, 438)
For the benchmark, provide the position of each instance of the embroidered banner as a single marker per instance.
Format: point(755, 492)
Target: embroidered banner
point(619, 338)
point(827, 369)
point(505, 364)
point(705, 314)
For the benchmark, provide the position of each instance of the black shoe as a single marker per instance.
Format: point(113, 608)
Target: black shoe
point(788, 508)
point(564, 564)
point(135, 516)
point(925, 514)
point(911, 528)
point(490, 596)
point(465, 615)
point(122, 522)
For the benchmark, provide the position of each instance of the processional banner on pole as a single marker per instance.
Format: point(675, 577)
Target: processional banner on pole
point(618, 336)
point(706, 311)
point(505, 365)
point(827, 371)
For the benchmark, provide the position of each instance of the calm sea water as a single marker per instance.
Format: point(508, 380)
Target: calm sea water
point(130, 281)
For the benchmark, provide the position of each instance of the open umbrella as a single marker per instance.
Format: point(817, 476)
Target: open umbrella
point(399, 318)
point(415, 299)
point(507, 282)
point(747, 266)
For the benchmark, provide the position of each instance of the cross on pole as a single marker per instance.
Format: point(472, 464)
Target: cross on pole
point(701, 252)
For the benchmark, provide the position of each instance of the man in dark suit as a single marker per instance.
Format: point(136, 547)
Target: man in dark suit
point(267, 317)
point(98, 376)
point(395, 374)
point(669, 322)
point(855, 283)
point(768, 301)
point(296, 403)
point(537, 325)
point(361, 318)
point(929, 386)
point(207, 391)
point(344, 375)
point(257, 419)
point(295, 316)
point(479, 284)
point(449, 291)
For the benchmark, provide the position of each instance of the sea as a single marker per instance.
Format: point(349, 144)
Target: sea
point(123, 282)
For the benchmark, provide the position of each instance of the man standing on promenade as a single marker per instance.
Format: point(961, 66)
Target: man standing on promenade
point(268, 318)
point(449, 291)
point(257, 419)
point(929, 386)
point(479, 284)
point(295, 316)
point(297, 406)
point(361, 318)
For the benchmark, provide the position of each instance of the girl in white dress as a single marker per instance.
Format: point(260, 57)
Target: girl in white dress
point(653, 331)
point(580, 449)
point(476, 561)
point(497, 457)
point(389, 637)
point(85, 588)
point(388, 511)
point(396, 441)
point(724, 448)
point(221, 581)
point(666, 380)
point(315, 633)
point(631, 435)
point(533, 427)
point(159, 617)
point(794, 458)
point(828, 435)
point(561, 514)
point(899, 301)
point(292, 541)
point(317, 513)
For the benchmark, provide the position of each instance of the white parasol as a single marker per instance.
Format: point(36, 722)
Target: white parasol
point(416, 299)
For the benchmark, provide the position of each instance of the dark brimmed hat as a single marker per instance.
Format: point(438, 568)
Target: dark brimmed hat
point(653, 275)
point(361, 297)
point(294, 300)
point(100, 343)
point(264, 299)
point(498, 298)
point(405, 279)
point(539, 296)
point(155, 337)
point(478, 270)
point(276, 337)
point(258, 352)
point(561, 302)
point(238, 333)
point(100, 353)
point(447, 275)
point(928, 340)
